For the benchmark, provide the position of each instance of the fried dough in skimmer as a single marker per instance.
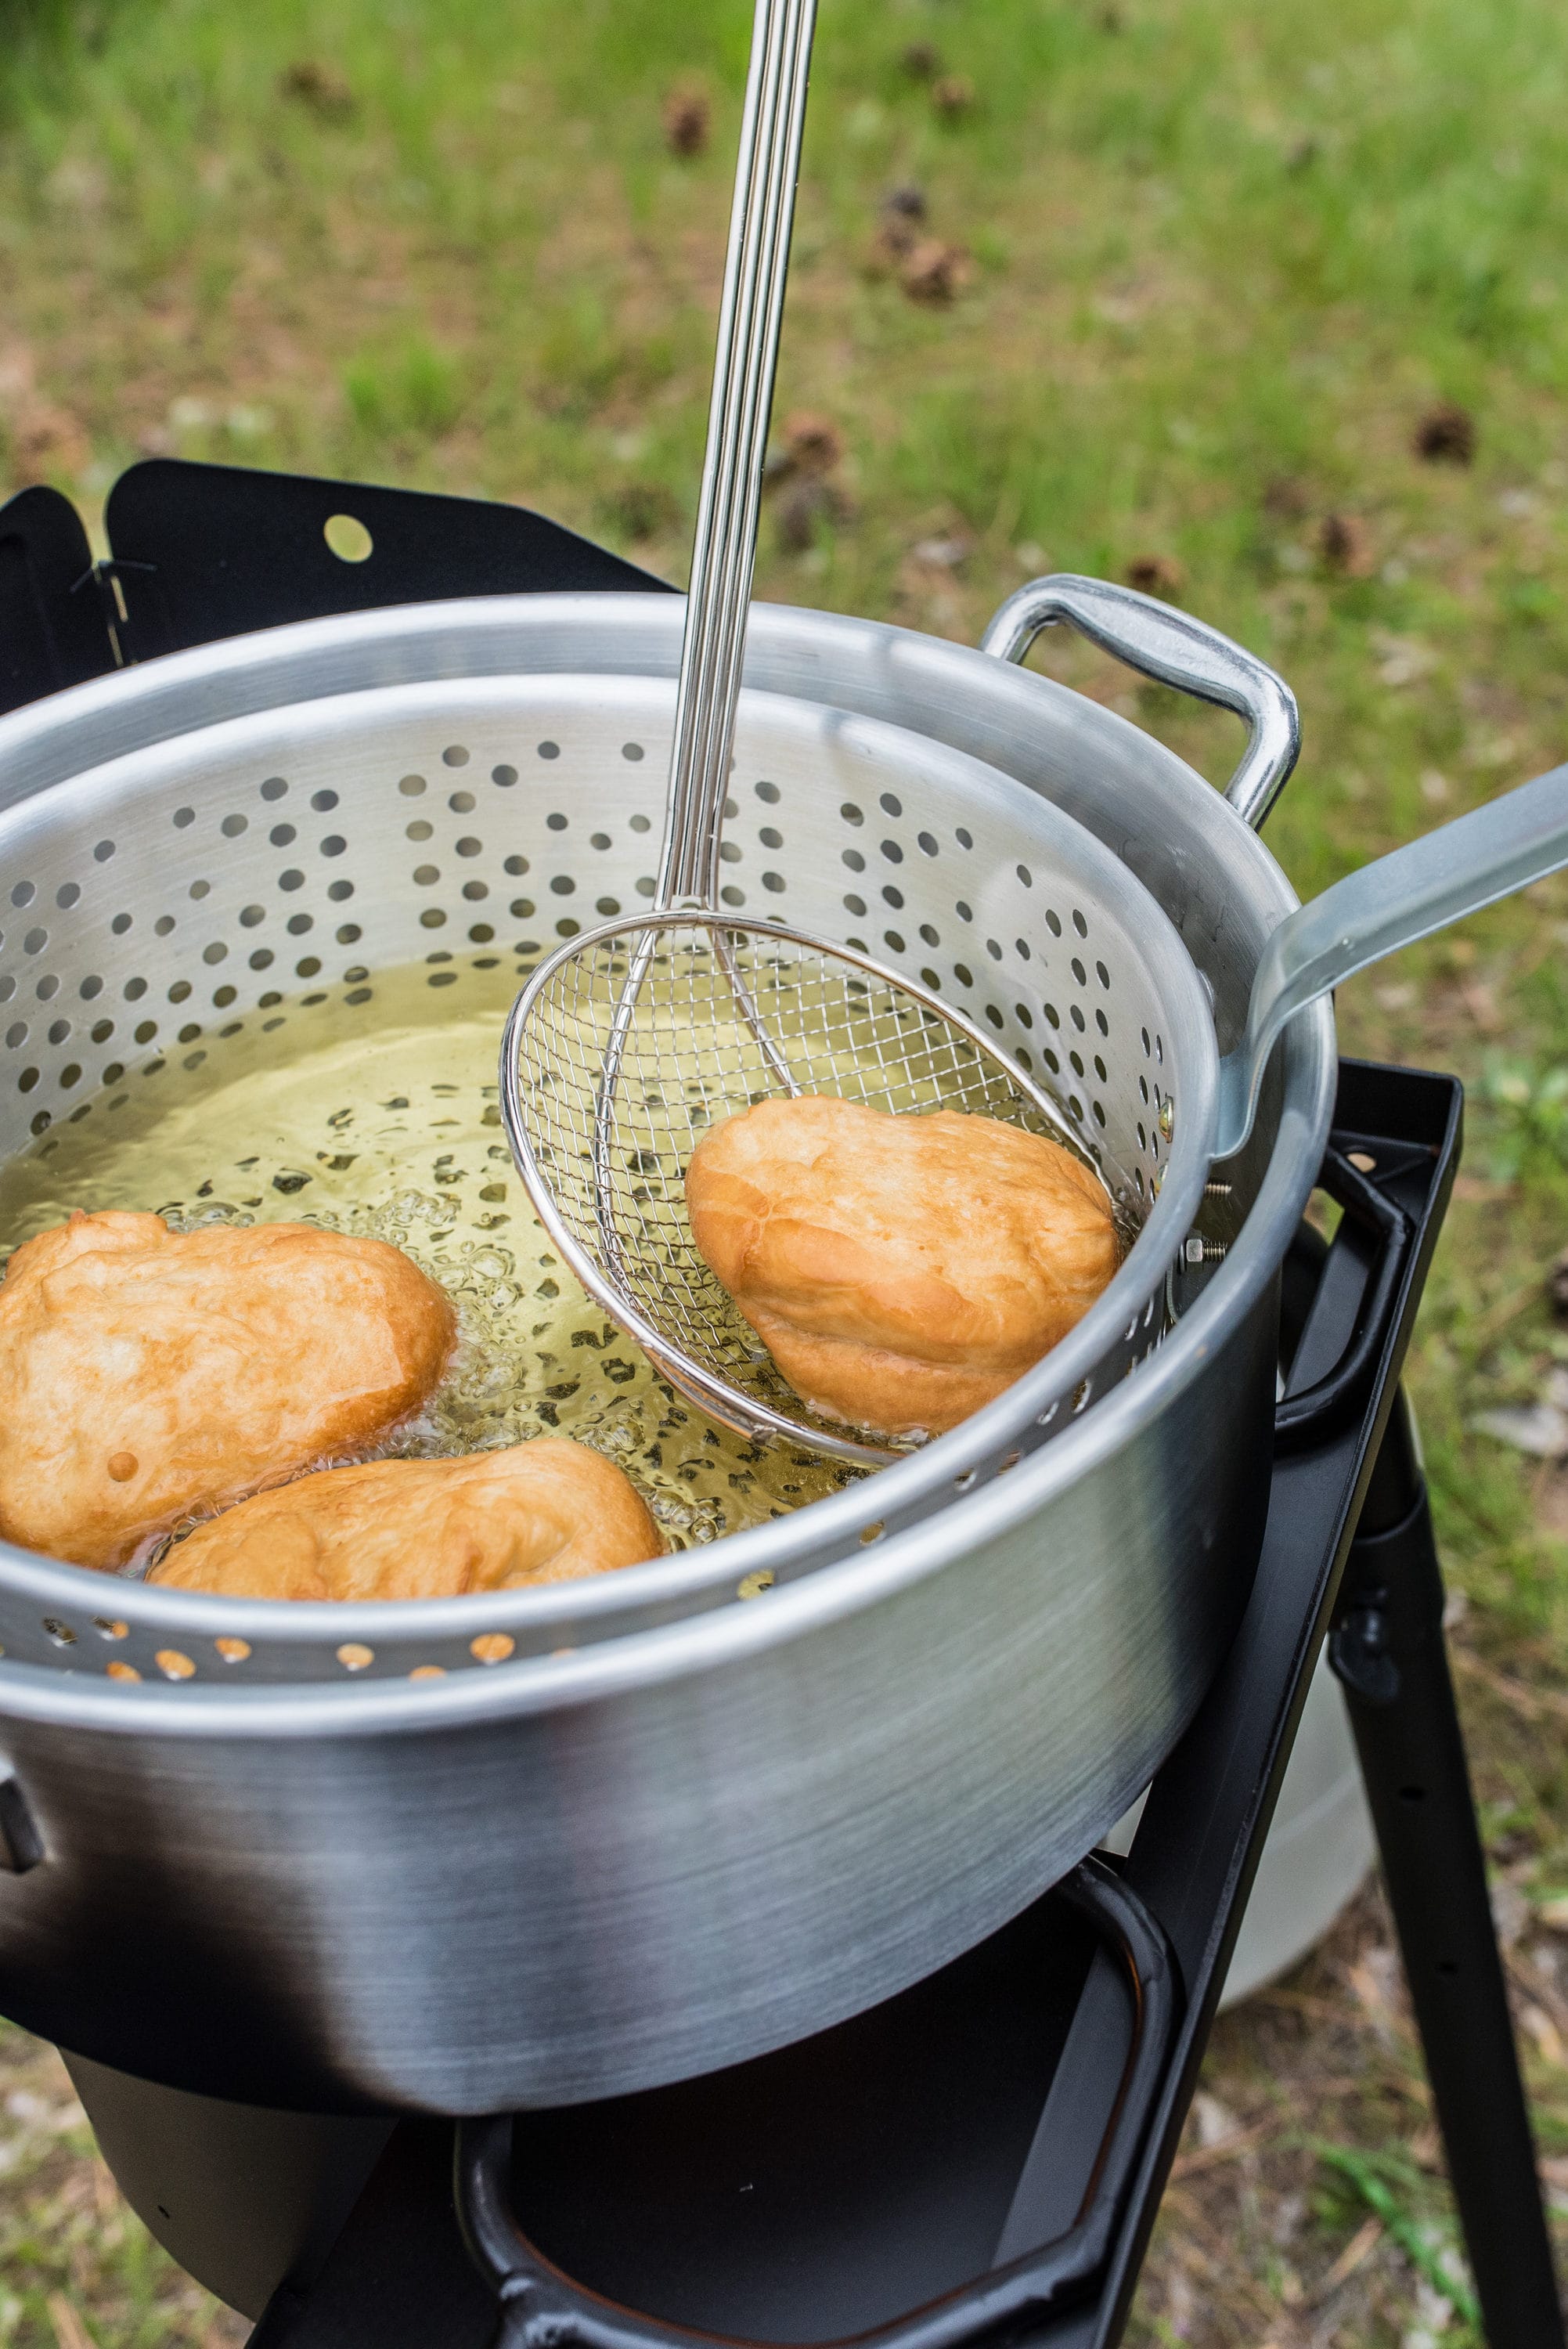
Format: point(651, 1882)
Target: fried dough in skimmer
point(901, 1271)
point(546, 1511)
point(148, 1372)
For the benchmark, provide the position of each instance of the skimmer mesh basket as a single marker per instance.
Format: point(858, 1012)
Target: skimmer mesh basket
point(699, 1021)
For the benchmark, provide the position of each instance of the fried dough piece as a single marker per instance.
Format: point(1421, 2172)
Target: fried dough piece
point(147, 1373)
point(901, 1271)
point(546, 1511)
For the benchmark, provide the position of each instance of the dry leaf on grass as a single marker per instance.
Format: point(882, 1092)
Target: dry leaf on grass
point(953, 96)
point(1344, 544)
point(312, 82)
point(688, 117)
point(1156, 574)
point(1445, 435)
point(813, 443)
point(937, 273)
point(898, 230)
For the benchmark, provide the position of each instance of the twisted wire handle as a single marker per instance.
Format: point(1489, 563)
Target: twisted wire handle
point(724, 552)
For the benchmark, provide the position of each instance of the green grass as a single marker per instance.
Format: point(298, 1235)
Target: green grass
point(1224, 258)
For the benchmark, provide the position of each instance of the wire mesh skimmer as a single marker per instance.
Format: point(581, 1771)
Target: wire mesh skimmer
point(631, 1043)
point(696, 1019)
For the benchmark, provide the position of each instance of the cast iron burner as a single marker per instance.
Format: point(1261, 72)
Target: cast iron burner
point(984, 2155)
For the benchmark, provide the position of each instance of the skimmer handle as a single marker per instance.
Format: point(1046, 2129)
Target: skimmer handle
point(1173, 649)
point(1437, 880)
point(725, 550)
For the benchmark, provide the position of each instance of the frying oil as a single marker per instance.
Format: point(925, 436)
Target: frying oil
point(383, 1121)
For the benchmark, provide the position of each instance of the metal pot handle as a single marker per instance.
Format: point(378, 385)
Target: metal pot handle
point(1438, 879)
point(1173, 649)
point(1314, 1412)
point(543, 2309)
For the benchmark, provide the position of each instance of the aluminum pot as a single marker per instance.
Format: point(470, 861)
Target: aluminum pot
point(712, 1827)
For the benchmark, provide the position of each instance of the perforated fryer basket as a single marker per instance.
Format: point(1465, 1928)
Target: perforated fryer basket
point(261, 872)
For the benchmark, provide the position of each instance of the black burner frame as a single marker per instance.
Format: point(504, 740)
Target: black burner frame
point(988, 2150)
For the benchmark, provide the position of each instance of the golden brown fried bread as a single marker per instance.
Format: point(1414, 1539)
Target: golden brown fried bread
point(548, 1511)
point(147, 1373)
point(901, 1271)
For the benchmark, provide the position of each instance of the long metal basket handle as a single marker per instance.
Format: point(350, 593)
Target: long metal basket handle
point(745, 359)
point(724, 552)
point(1173, 649)
point(1434, 881)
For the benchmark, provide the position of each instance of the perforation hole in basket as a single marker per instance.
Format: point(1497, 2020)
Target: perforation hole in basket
point(200, 954)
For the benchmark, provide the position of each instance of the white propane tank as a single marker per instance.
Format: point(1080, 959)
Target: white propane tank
point(1319, 1847)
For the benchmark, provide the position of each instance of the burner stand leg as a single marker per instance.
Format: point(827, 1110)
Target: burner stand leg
point(1387, 1647)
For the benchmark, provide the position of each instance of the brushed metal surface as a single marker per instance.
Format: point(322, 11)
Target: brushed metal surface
point(692, 1845)
point(700, 1837)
